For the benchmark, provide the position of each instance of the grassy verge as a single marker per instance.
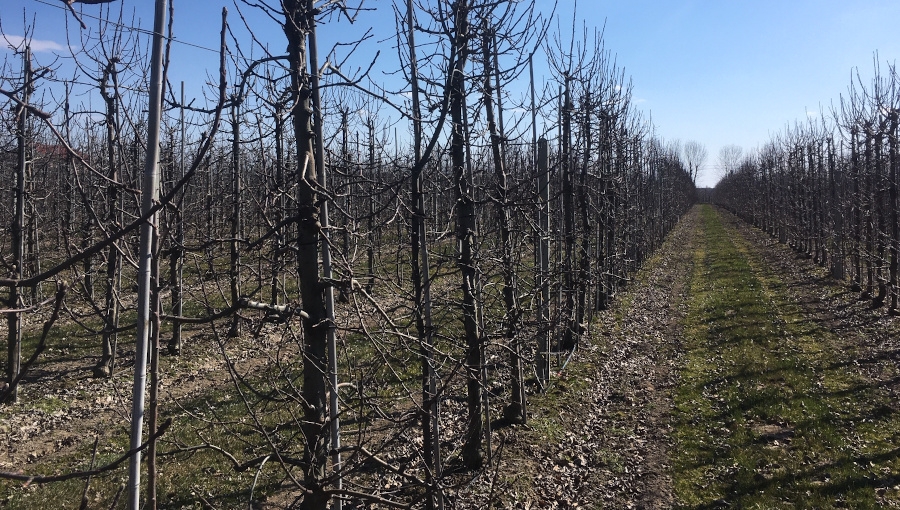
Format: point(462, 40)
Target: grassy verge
point(770, 413)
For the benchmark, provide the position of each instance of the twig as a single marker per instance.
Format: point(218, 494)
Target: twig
point(33, 110)
point(115, 501)
point(362, 496)
point(29, 309)
point(237, 466)
point(255, 478)
point(75, 15)
point(243, 303)
point(360, 450)
point(87, 482)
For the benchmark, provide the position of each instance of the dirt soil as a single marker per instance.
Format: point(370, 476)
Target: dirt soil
point(612, 448)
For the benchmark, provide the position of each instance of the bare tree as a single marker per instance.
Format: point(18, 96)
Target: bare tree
point(466, 229)
point(420, 276)
point(299, 28)
point(729, 159)
point(829, 190)
point(694, 154)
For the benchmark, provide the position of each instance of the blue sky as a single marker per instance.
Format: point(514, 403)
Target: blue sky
point(718, 72)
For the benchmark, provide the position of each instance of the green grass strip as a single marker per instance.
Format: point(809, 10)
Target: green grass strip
point(770, 412)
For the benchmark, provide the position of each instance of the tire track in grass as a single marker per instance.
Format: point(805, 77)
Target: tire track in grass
point(769, 412)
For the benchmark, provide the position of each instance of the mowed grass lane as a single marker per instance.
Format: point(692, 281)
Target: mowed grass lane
point(770, 411)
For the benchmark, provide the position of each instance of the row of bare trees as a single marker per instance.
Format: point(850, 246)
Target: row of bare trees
point(419, 252)
point(829, 188)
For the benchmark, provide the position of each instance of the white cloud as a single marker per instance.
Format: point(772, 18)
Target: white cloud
point(812, 114)
point(10, 42)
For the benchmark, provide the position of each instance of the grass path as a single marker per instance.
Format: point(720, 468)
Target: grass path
point(771, 410)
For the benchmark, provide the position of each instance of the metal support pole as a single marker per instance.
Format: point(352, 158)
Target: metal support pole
point(150, 193)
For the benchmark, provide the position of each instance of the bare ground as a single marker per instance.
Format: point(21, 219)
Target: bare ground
point(612, 451)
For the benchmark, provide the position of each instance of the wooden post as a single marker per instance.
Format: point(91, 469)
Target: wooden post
point(543, 160)
point(14, 319)
point(177, 260)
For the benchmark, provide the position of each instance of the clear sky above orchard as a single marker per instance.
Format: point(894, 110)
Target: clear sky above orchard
point(716, 71)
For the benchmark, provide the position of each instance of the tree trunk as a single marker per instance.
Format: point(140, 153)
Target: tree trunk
point(584, 202)
point(570, 336)
point(298, 24)
point(894, 162)
point(327, 290)
point(515, 411)
point(113, 259)
point(543, 279)
point(837, 217)
point(472, 453)
point(421, 281)
point(176, 260)
point(234, 271)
